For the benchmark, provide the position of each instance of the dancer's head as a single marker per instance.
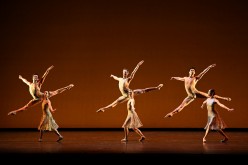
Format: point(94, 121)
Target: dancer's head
point(191, 71)
point(35, 77)
point(46, 94)
point(211, 92)
point(125, 73)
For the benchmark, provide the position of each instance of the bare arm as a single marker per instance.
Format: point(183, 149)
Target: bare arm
point(223, 106)
point(50, 106)
point(115, 77)
point(24, 80)
point(44, 76)
point(223, 98)
point(204, 102)
point(135, 70)
point(199, 76)
point(178, 78)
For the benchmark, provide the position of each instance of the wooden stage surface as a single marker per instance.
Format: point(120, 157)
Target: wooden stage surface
point(105, 145)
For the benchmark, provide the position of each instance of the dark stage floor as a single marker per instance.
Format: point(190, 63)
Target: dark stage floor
point(105, 145)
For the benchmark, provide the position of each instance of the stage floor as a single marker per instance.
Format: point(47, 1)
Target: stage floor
point(98, 145)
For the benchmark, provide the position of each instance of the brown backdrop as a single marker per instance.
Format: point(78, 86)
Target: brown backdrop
point(87, 41)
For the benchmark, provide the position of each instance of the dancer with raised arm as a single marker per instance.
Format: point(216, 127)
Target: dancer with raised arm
point(41, 96)
point(124, 83)
point(214, 122)
point(35, 90)
point(190, 87)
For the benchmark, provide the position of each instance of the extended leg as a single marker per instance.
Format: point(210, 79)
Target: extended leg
point(28, 105)
point(61, 90)
point(145, 90)
point(185, 102)
point(120, 100)
point(205, 95)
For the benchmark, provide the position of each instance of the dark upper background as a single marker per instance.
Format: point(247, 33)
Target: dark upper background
point(87, 41)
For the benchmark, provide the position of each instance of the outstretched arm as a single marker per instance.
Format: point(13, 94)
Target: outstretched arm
point(199, 76)
point(135, 70)
point(24, 80)
point(115, 77)
point(178, 78)
point(223, 106)
point(58, 91)
point(41, 81)
point(223, 98)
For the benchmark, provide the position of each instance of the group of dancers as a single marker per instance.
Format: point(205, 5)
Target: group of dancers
point(47, 122)
point(132, 120)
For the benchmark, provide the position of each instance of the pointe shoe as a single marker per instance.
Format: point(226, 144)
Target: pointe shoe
point(60, 138)
point(40, 140)
point(204, 140)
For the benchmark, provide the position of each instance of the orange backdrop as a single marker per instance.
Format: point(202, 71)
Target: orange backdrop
point(87, 41)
